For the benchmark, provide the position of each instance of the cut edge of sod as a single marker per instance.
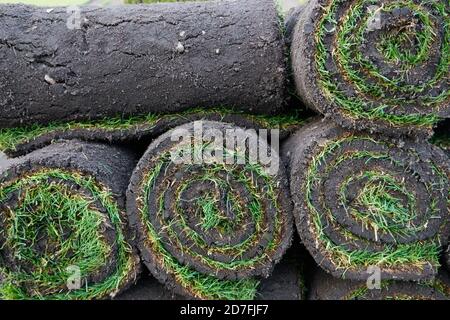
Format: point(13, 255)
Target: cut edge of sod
point(189, 281)
point(11, 138)
point(353, 111)
point(10, 288)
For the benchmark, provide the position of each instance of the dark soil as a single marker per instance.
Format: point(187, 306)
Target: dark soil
point(131, 60)
point(326, 287)
point(174, 175)
point(298, 152)
point(109, 166)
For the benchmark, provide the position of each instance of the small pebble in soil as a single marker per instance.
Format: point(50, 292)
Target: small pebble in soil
point(180, 47)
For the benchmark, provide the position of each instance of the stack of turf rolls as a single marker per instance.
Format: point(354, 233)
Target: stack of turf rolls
point(91, 196)
point(121, 181)
point(370, 193)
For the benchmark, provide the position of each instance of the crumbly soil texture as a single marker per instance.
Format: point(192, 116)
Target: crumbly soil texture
point(63, 223)
point(362, 200)
point(137, 59)
point(379, 66)
point(203, 226)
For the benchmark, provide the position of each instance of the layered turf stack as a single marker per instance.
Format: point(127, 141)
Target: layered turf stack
point(209, 226)
point(361, 200)
point(326, 287)
point(136, 130)
point(376, 65)
point(137, 59)
point(63, 218)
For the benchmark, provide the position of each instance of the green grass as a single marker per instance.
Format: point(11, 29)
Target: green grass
point(374, 100)
point(383, 212)
point(198, 284)
point(70, 224)
point(10, 138)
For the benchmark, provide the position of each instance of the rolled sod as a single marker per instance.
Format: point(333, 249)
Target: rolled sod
point(327, 287)
point(63, 230)
point(19, 141)
point(208, 228)
point(285, 283)
point(361, 200)
point(138, 59)
point(376, 65)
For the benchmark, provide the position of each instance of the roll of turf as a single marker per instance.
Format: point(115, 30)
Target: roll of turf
point(361, 200)
point(136, 59)
point(207, 227)
point(376, 65)
point(19, 141)
point(326, 287)
point(285, 283)
point(63, 230)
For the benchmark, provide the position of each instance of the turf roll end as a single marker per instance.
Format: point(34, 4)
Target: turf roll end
point(363, 201)
point(63, 230)
point(376, 65)
point(209, 227)
point(327, 287)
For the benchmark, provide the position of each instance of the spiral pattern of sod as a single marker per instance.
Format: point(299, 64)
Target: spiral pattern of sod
point(376, 65)
point(362, 200)
point(19, 141)
point(63, 231)
point(209, 229)
point(326, 287)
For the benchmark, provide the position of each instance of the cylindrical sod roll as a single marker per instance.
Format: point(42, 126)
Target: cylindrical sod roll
point(129, 60)
point(209, 215)
point(63, 230)
point(376, 65)
point(361, 201)
point(326, 287)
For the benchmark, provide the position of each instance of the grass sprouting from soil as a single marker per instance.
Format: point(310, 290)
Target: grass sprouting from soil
point(376, 99)
point(203, 285)
point(57, 227)
point(383, 212)
point(10, 138)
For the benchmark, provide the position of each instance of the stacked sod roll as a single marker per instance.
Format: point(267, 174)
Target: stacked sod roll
point(137, 130)
point(207, 230)
point(285, 283)
point(375, 65)
point(362, 200)
point(326, 287)
point(139, 59)
point(123, 125)
point(63, 229)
